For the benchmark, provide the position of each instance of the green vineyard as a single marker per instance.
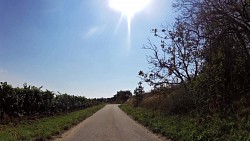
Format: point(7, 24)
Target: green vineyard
point(31, 102)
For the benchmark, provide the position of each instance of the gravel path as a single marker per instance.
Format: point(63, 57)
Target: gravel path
point(109, 124)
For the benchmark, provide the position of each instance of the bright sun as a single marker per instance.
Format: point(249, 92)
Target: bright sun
point(128, 8)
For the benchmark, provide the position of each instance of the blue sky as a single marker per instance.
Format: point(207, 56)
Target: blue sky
point(75, 46)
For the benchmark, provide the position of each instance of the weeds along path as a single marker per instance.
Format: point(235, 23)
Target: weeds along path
point(109, 124)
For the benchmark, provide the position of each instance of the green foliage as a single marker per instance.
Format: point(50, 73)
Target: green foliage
point(223, 86)
point(207, 51)
point(122, 96)
point(45, 128)
point(206, 57)
point(191, 128)
point(32, 101)
point(138, 95)
point(170, 100)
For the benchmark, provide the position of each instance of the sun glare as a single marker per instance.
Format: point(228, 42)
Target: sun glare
point(128, 8)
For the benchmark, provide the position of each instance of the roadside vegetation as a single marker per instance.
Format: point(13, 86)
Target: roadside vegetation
point(200, 74)
point(189, 127)
point(30, 113)
point(30, 102)
point(45, 128)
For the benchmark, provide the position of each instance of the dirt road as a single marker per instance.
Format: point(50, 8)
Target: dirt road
point(109, 124)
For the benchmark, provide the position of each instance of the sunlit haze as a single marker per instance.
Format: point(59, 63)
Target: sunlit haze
point(91, 48)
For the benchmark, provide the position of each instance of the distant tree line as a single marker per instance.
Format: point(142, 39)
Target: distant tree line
point(32, 101)
point(120, 97)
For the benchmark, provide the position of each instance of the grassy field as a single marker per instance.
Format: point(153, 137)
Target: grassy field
point(45, 128)
point(190, 128)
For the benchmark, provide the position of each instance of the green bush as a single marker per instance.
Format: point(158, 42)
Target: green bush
point(175, 100)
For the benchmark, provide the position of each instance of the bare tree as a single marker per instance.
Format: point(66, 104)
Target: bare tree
point(177, 59)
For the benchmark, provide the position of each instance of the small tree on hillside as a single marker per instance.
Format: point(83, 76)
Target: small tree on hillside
point(138, 95)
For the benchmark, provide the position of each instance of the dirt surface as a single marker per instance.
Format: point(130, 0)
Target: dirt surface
point(109, 124)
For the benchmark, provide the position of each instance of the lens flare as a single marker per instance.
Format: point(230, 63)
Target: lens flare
point(128, 8)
